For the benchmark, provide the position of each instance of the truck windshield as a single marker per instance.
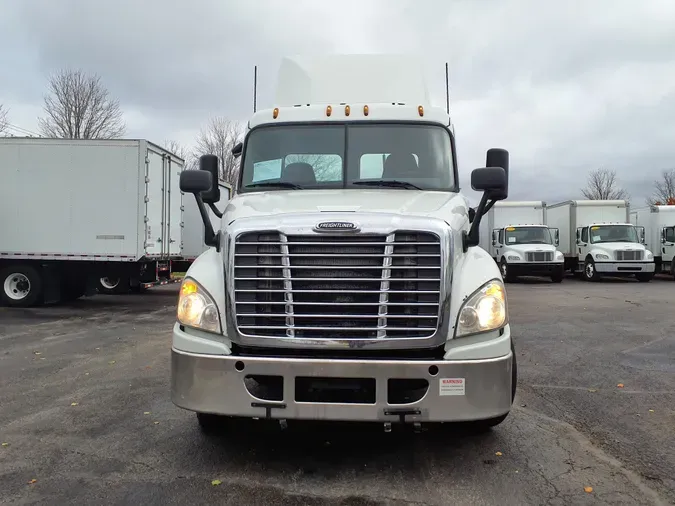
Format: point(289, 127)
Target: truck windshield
point(403, 156)
point(527, 235)
point(613, 233)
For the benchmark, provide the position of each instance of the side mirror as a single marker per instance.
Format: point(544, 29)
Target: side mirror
point(195, 181)
point(209, 164)
point(641, 234)
point(556, 236)
point(663, 236)
point(472, 214)
point(237, 149)
point(491, 180)
point(498, 157)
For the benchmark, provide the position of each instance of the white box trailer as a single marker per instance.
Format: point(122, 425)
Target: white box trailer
point(659, 226)
point(192, 226)
point(76, 211)
point(596, 238)
point(516, 236)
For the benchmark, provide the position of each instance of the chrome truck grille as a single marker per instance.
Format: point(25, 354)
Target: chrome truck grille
point(539, 256)
point(336, 286)
point(628, 255)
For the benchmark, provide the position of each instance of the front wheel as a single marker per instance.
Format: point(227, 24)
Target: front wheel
point(590, 273)
point(504, 270)
point(558, 276)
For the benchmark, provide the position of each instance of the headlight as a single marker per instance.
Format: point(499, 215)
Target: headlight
point(513, 258)
point(648, 255)
point(559, 255)
point(196, 308)
point(601, 256)
point(484, 310)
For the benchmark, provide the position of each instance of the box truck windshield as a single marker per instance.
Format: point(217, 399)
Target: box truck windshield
point(613, 233)
point(528, 235)
point(413, 156)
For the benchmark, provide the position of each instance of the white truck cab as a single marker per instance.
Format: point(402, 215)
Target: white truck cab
point(345, 281)
point(521, 243)
point(601, 240)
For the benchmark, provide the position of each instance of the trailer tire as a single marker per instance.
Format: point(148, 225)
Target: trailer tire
point(20, 285)
point(113, 285)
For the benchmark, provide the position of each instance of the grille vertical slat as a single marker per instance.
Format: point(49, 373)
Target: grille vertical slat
point(337, 287)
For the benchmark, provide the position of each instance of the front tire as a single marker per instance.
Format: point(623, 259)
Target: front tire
point(558, 276)
point(505, 271)
point(590, 273)
point(20, 286)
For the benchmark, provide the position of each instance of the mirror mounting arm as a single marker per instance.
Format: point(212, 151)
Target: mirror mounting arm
point(211, 238)
point(472, 238)
point(215, 210)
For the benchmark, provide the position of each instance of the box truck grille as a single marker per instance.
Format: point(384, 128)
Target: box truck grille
point(540, 256)
point(628, 255)
point(337, 287)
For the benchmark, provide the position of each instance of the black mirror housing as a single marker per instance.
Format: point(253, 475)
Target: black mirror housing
point(491, 180)
point(498, 157)
point(237, 149)
point(209, 164)
point(195, 181)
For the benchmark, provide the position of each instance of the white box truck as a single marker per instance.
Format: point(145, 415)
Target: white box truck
point(516, 235)
point(597, 238)
point(346, 281)
point(192, 228)
point(659, 226)
point(77, 215)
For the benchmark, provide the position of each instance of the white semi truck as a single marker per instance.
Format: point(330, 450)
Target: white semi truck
point(659, 225)
point(516, 235)
point(346, 282)
point(597, 238)
point(77, 216)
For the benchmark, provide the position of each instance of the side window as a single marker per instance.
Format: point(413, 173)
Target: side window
point(269, 169)
point(371, 165)
point(670, 234)
point(584, 235)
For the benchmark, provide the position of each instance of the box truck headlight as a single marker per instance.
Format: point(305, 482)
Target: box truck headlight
point(648, 255)
point(485, 310)
point(513, 258)
point(601, 256)
point(196, 307)
point(559, 255)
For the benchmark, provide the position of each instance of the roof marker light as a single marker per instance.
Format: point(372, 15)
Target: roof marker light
point(365, 110)
point(275, 113)
point(347, 110)
point(329, 110)
point(420, 110)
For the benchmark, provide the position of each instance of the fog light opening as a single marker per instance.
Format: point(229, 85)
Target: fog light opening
point(239, 365)
point(433, 370)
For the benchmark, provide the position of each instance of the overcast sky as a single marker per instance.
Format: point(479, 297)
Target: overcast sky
point(566, 87)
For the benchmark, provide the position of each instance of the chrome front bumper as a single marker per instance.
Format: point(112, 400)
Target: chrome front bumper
point(473, 390)
point(624, 267)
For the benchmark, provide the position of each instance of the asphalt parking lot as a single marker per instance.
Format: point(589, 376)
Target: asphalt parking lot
point(85, 415)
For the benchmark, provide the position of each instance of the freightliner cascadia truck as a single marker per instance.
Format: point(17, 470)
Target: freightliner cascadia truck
point(345, 281)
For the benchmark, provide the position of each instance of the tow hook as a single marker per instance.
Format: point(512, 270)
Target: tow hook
point(417, 427)
point(387, 426)
point(283, 423)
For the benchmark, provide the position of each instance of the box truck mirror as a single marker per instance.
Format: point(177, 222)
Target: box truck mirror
point(237, 149)
point(663, 236)
point(209, 163)
point(556, 236)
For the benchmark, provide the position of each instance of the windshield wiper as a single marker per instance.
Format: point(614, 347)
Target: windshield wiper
point(390, 183)
point(278, 184)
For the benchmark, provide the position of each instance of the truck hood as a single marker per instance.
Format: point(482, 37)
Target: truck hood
point(409, 202)
point(523, 248)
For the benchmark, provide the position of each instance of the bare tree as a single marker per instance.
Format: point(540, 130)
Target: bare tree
point(78, 106)
point(4, 123)
point(181, 151)
point(603, 185)
point(664, 189)
point(326, 167)
point(218, 138)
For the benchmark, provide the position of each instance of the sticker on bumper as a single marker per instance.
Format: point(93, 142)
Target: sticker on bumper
point(451, 386)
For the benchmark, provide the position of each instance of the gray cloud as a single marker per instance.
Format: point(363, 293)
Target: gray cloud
point(566, 87)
